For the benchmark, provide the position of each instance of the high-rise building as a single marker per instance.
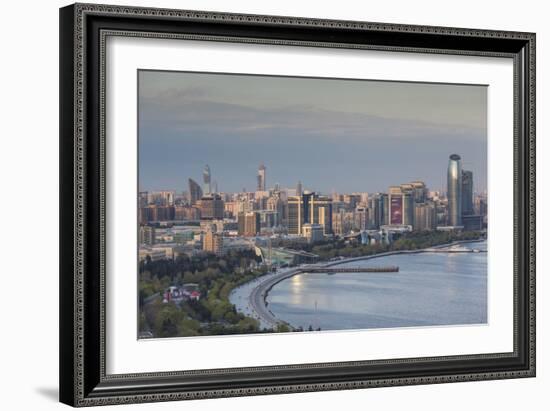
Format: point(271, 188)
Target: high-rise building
point(374, 211)
point(187, 213)
point(274, 203)
point(395, 205)
point(212, 242)
point(384, 209)
point(420, 192)
point(425, 217)
point(352, 200)
point(467, 192)
point(364, 199)
point(361, 218)
point(401, 204)
point(147, 214)
point(299, 188)
point(321, 212)
point(165, 213)
point(156, 213)
point(195, 191)
point(268, 218)
point(338, 222)
point(211, 207)
point(206, 179)
point(377, 210)
point(143, 199)
point(342, 222)
point(295, 215)
point(408, 203)
point(161, 198)
point(260, 200)
point(309, 208)
point(454, 190)
point(480, 205)
point(248, 224)
point(261, 178)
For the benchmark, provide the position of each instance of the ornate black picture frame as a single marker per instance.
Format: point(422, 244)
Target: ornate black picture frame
point(83, 31)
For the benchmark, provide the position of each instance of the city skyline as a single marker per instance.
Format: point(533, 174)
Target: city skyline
point(333, 135)
point(276, 186)
point(406, 205)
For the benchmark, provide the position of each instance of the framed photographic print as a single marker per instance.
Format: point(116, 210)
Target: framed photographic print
point(263, 204)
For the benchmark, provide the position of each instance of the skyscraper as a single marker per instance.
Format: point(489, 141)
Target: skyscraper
point(161, 198)
point(467, 192)
point(321, 212)
point(395, 205)
point(454, 190)
point(378, 210)
point(425, 216)
point(206, 178)
point(143, 199)
point(195, 191)
point(361, 218)
point(408, 203)
point(261, 178)
point(420, 191)
point(299, 188)
point(211, 207)
point(248, 224)
point(401, 204)
point(309, 208)
point(274, 203)
point(374, 212)
point(384, 215)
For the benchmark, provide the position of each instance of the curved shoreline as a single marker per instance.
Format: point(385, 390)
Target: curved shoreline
point(257, 299)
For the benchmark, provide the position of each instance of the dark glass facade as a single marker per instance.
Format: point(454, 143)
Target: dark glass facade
point(454, 190)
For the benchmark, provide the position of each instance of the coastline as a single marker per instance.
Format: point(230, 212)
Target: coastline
point(257, 298)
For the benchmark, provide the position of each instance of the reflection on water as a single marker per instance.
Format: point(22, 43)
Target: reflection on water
point(429, 289)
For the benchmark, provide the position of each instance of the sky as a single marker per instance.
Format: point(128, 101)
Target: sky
point(333, 135)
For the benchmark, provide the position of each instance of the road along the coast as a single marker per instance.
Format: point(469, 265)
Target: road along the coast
point(257, 298)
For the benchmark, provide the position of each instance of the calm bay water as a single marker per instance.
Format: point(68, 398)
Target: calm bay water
point(429, 289)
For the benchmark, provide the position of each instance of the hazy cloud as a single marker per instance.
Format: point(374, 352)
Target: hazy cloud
point(368, 134)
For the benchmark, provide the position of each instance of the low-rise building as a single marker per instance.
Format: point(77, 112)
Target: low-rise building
point(153, 254)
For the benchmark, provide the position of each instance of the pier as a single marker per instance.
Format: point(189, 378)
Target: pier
point(330, 270)
point(454, 250)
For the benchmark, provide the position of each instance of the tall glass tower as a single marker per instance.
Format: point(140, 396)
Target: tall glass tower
point(467, 192)
point(206, 177)
point(195, 191)
point(454, 190)
point(261, 178)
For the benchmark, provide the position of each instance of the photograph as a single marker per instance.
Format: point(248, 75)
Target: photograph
point(279, 204)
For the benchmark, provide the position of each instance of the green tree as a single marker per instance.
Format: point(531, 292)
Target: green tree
point(168, 320)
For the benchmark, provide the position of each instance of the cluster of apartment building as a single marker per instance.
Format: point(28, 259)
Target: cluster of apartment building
point(202, 219)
